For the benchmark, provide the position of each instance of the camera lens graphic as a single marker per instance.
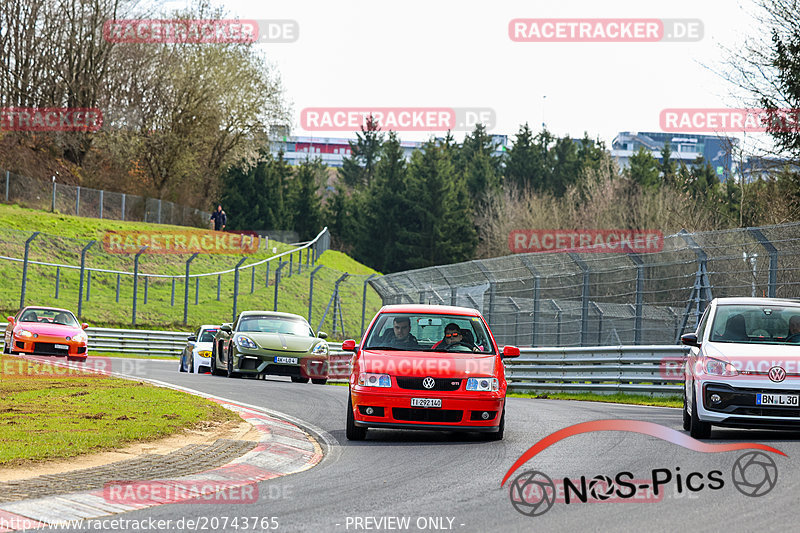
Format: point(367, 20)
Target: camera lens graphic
point(532, 493)
point(754, 474)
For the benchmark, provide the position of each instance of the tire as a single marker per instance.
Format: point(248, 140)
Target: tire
point(687, 418)
point(319, 381)
point(214, 370)
point(697, 428)
point(498, 435)
point(353, 432)
point(299, 380)
point(190, 366)
point(182, 368)
point(229, 370)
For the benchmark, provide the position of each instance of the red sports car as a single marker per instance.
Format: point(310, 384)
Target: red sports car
point(427, 367)
point(46, 331)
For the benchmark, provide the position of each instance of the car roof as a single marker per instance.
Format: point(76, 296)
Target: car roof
point(271, 313)
point(429, 309)
point(756, 301)
point(45, 308)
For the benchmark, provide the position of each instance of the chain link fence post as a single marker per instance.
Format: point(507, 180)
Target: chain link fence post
point(277, 283)
point(136, 282)
point(186, 289)
point(80, 283)
point(25, 269)
point(311, 291)
point(236, 286)
point(364, 302)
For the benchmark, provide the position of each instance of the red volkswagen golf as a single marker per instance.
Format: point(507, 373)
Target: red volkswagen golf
point(46, 331)
point(427, 367)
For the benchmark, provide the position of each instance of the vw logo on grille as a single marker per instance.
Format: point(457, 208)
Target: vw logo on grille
point(777, 373)
point(428, 383)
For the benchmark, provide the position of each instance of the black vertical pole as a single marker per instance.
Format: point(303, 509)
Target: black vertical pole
point(83, 270)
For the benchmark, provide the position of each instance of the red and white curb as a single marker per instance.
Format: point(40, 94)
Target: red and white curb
point(283, 449)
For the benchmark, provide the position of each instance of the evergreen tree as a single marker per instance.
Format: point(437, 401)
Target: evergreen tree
point(644, 169)
point(385, 210)
point(668, 167)
point(566, 166)
point(305, 200)
point(435, 231)
point(358, 170)
point(477, 162)
point(523, 160)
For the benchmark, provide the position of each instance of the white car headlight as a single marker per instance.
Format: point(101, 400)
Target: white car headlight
point(715, 367)
point(25, 333)
point(320, 349)
point(374, 380)
point(483, 384)
point(246, 342)
point(81, 337)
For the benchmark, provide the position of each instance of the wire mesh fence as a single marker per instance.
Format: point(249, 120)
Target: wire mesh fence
point(86, 202)
point(175, 290)
point(593, 299)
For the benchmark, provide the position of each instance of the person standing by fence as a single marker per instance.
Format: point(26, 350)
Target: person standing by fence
point(220, 219)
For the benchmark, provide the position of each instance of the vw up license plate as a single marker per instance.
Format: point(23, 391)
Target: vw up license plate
point(426, 402)
point(778, 399)
point(286, 360)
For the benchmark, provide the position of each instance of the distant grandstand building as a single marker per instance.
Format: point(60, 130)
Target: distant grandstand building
point(685, 148)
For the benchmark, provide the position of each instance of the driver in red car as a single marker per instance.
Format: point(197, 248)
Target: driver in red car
point(453, 335)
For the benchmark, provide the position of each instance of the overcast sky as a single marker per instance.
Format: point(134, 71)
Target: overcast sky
point(458, 54)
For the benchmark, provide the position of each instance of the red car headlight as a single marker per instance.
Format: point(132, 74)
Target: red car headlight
point(483, 384)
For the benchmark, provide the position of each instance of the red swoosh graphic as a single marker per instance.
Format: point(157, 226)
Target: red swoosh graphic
point(634, 426)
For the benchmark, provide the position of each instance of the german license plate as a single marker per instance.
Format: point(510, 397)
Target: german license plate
point(426, 402)
point(778, 399)
point(61, 347)
point(286, 360)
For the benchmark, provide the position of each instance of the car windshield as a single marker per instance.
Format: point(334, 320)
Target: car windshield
point(207, 335)
point(757, 324)
point(49, 316)
point(275, 324)
point(430, 333)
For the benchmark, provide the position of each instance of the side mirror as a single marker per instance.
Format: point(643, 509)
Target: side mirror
point(84, 325)
point(349, 345)
point(510, 351)
point(322, 335)
point(192, 338)
point(226, 328)
point(690, 339)
point(10, 319)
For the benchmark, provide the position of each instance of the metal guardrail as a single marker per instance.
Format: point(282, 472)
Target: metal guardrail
point(650, 369)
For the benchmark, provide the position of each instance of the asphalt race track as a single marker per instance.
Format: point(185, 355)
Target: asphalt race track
point(447, 481)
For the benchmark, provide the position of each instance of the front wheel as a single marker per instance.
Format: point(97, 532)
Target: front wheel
point(230, 371)
point(182, 367)
point(698, 429)
point(353, 432)
point(214, 370)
